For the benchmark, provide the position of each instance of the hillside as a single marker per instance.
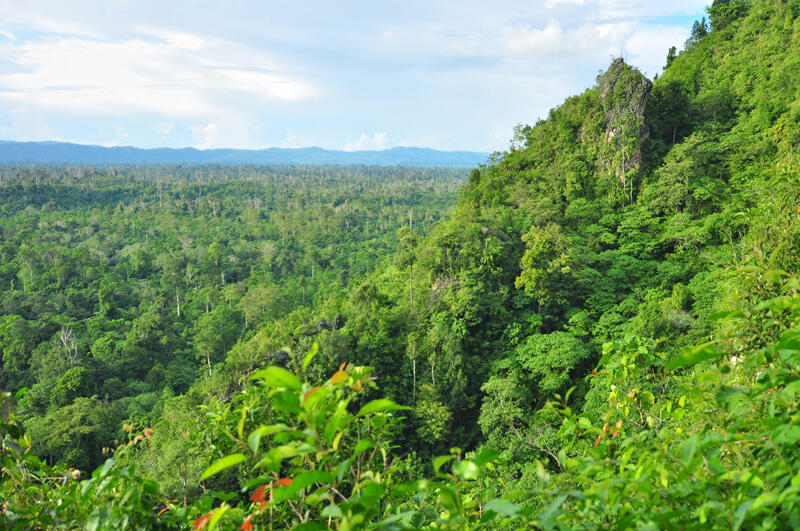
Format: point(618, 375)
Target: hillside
point(603, 333)
point(66, 153)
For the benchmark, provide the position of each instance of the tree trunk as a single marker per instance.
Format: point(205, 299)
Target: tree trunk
point(414, 372)
point(411, 285)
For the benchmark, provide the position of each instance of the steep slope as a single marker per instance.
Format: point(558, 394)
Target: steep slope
point(619, 215)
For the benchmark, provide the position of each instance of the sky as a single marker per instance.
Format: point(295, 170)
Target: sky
point(351, 75)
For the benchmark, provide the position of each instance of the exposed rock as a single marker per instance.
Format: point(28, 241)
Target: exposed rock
point(624, 92)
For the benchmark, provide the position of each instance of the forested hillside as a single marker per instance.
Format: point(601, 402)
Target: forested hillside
point(602, 333)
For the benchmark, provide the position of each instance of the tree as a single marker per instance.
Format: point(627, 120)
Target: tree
point(546, 264)
point(723, 12)
point(173, 267)
point(671, 55)
point(549, 360)
point(216, 332)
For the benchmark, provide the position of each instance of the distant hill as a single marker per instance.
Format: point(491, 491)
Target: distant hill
point(63, 152)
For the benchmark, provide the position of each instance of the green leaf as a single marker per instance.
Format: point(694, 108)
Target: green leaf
point(725, 315)
point(310, 356)
point(501, 506)
point(486, 456)
point(220, 465)
point(254, 439)
point(741, 513)
point(692, 355)
point(791, 390)
point(466, 470)
point(277, 377)
point(687, 449)
point(331, 511)
point(439, 461)
point(212, 524)
point(379, 405)
point(775, 275)
point(363, 446)
point(584, 423)
point(767, 499)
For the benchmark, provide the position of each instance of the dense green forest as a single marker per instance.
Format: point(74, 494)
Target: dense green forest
point(603, 331)
point(122, 286)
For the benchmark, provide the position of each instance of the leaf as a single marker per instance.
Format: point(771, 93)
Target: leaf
point(692, 355)
point(687, 449)
point(298, 484)
point(584, 423)
point(339, 376)
point(379, 405)
point(767, 499)
point(775, 275)
point(260, 494)
point(725, 315)
point(501, 506)
point(202, 521)
point(791, 390)
point(310, 356)
point(254, 439)
point(336, 440)
point(220, 465)
point(466, 470)
point(786, 434)
point(486, 456)
point(331, 511)
point(308, 394)
point(212, 524)
point(277, 377)
point(741, 513)
point(362, 447)
point(439, 461)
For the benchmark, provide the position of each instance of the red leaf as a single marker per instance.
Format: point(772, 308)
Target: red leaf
point(260, 494)
point(201, 522)
point(247, 526)
point(285, 482)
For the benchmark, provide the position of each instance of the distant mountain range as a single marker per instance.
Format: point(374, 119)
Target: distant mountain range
point(67, 153)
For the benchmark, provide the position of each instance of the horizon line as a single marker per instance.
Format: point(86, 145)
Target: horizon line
point(2, 141)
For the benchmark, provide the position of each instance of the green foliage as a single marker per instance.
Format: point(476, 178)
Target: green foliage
point(129, 284)
point(607, 322)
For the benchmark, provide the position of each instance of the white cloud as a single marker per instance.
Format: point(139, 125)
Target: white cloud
point(166, 76)
point(122, 78)
point(550, 4)
point(162, 128)
point(377, 141)
point(205, 136)
point(647, 47)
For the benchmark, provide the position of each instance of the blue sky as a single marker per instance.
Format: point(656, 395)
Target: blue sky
point(340, 75)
